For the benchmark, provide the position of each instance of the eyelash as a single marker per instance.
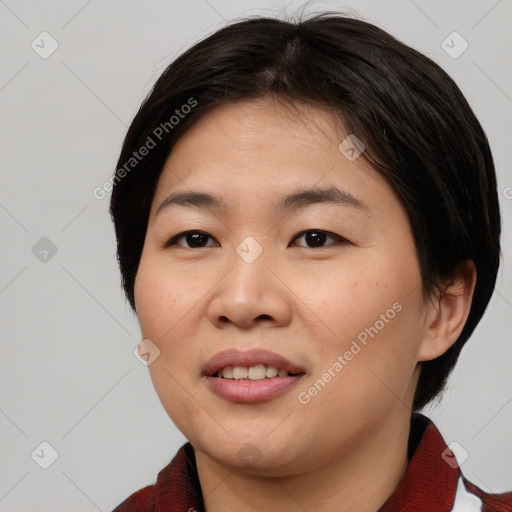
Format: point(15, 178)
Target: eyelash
point(339, 238)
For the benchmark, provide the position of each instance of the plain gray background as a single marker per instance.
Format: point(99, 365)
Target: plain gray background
point(68, 373)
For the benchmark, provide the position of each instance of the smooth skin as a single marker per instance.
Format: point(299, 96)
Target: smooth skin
point(346, 449)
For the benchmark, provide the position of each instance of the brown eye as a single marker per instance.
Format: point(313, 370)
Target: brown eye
point(195, 239)
point(199, 239)
point(317, 237)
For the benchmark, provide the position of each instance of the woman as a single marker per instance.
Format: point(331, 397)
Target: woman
point(308, 231)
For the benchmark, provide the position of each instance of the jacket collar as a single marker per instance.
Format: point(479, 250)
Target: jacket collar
point(429, 478)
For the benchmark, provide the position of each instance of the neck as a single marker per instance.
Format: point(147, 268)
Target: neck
point(362, 480)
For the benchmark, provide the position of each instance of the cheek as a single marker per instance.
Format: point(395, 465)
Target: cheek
point(168, 305)
point(365, 373)
point(160, 296)
point(162, 307)
point(370, 329)
point(344, 304)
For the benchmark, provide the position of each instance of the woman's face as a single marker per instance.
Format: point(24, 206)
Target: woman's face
point(341, 303)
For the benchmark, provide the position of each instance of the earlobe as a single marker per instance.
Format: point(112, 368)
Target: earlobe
point(449, 312)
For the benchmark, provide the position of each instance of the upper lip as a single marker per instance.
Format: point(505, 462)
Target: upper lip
point(249, 358)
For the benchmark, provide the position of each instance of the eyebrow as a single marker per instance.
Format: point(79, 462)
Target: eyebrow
point(297, 200)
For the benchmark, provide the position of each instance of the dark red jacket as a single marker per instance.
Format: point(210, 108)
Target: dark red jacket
point(433, 482)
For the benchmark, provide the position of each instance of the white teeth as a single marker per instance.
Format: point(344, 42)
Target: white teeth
point(227, 373)
point(256, 372)
point(240, 372)
point(271, 371)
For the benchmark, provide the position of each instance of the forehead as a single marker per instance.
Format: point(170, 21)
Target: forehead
point(266, 123)
point(264, 147)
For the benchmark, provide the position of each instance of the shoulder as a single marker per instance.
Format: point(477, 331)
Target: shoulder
point(177, 487)
point(140, 501)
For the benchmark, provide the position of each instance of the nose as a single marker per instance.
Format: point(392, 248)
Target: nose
point(251, 294)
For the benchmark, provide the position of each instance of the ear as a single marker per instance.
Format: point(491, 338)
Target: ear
point(448, 312)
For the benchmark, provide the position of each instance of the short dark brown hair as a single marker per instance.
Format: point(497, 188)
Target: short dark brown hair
point(418, 129)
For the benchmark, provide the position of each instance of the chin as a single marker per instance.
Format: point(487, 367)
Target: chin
point(252, 454)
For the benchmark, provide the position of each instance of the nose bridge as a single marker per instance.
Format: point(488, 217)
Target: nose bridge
point(250, 250)
point(250, 290)
point(249, 268)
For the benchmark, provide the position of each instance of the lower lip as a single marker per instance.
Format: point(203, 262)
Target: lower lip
point(250, 391)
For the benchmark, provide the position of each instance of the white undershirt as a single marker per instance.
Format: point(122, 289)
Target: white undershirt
point(464, 500)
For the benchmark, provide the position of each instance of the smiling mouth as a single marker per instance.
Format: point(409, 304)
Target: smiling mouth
point(255, 372)
point(252, 384)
